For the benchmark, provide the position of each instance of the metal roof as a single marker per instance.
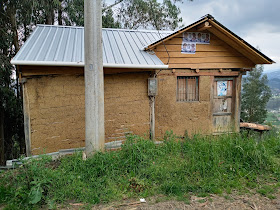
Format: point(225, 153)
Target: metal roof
point(64, 46)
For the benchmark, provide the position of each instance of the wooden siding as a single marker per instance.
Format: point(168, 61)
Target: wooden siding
point(217, 54)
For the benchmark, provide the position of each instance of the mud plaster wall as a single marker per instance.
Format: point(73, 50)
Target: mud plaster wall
point(56, 106)
point(195, 117)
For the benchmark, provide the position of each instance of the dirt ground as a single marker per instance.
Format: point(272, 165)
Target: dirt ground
point(212, 202)
point(218, 202)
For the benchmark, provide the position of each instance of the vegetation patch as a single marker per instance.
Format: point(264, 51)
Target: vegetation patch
point(200, 165)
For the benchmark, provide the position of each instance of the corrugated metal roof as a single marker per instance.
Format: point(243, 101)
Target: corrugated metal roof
point(64, 45)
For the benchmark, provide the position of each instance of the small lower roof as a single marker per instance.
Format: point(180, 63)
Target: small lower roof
point(64, 46)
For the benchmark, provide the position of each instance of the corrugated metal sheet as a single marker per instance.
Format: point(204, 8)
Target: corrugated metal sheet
point(50, 44)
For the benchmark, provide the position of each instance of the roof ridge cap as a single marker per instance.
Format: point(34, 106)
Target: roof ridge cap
point(116, 29)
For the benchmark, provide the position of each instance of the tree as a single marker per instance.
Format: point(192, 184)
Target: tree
point(131, 14)
point(11, 119)
point(255, 95)
point(150, 14)
point(75, 14)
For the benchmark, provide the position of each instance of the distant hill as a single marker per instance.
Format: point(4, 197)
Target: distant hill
point(274, 84)
point(274, 81)
point(273, 74)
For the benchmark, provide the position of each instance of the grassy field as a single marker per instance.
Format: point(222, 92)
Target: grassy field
point(201, 165)
point(273, 118)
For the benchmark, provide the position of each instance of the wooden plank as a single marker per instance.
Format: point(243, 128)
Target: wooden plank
point(240, 47)
point(178, 41)
point(205, 60)
point(212, 103)
point(225, 79)
point(27, 124)
point(207, 74)
point(222, 114)
point(222, 123)
point(199, 47)
point(218, 105)
point(237, 102)
point(210, 65)
point(253, 126)
point(201, 54)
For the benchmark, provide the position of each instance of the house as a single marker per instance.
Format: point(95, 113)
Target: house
point(196, 72)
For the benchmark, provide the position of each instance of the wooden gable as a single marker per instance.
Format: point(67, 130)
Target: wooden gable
point(218, 54)
point(226, 49)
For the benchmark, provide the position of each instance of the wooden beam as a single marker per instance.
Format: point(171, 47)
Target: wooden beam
point(27, 124)
point(201, 73)
point(204, 26)
point(175, 34)
point(208, 65)
point(237, 107)
point(188, 60)
point(28, 71)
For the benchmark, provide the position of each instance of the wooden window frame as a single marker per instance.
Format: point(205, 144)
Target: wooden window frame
point(183, 94)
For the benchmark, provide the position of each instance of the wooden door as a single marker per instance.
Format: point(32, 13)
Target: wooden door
point(223, 104)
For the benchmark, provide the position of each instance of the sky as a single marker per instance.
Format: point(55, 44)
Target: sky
point(255, 21)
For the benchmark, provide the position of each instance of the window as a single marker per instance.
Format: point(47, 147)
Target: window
point(187, 88)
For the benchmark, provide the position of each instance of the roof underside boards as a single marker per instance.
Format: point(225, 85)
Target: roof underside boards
point(223, 33)
point(64, 46)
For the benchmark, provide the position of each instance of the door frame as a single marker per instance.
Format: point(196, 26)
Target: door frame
point(232, 113)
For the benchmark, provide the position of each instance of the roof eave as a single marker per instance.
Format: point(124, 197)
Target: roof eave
point(81, 64)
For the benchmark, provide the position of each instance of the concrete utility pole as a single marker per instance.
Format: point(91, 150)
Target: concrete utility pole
point(94, 78)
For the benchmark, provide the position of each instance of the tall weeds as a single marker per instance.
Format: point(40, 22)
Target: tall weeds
point(141, 168)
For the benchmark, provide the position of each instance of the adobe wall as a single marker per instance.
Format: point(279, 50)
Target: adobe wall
point(195, 117)
point(56, 105)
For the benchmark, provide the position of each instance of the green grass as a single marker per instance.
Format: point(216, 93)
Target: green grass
point(201, 165)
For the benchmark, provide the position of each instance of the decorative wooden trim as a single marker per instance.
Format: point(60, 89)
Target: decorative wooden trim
point(201, 73)
point(204, 26)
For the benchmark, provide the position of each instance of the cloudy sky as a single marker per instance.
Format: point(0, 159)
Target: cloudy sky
point(256, 21)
